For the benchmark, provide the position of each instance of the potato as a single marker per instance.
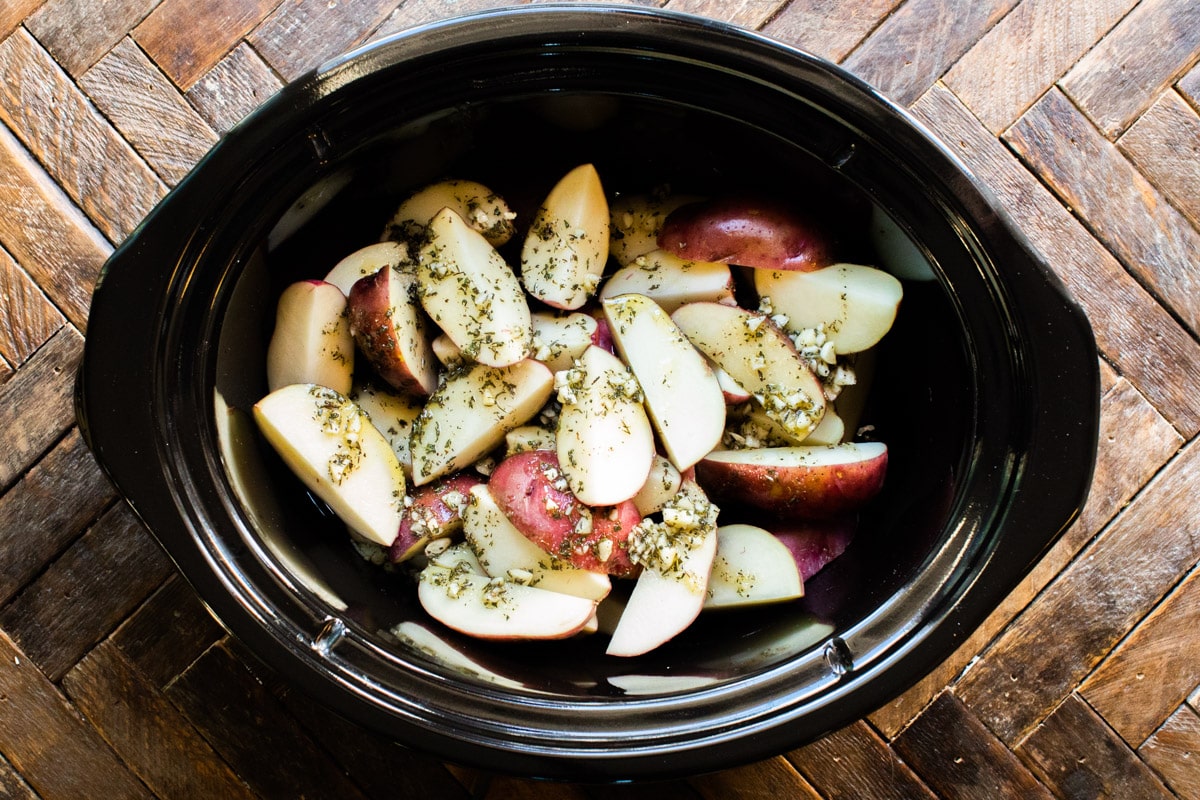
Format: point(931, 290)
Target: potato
point(484, 210)
point(566, 248)
point(311, 342)
point(532, 492)
point(808, 481)
point(637, 219)
point(391, 330)
point(748, 231)
point(432, 512)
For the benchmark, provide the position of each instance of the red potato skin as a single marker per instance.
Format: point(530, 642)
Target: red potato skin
point(602, 336)
point(375, 334)
point(815, 543)
point(747, 231)
point(808, 492)
point(524, 487)
point(429, 517)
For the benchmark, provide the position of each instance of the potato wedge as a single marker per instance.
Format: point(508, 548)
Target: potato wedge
point(566, 248)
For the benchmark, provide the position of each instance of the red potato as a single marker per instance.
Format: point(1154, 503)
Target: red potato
point(602, 336)
point(814, 543)
point(748, 231)
point(311, 342)
point(391, 330)
point(532, 492)
point(436, 511)
point(815, 482)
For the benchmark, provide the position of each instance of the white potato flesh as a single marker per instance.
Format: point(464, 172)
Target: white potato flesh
point(856, 304)
point(661, 485)
point(527, 438)
point(830, 430)
point(760, 358)
point(471, 411)
point(636, 220)
point(682, 395)
point(472, 294)
point(665, 602)
point(493, 608)
point(604, 441)
point(481, 208)
point(671, 281)
point(367, 261)
point(311, 342)
point(446, 351)
point(559, 339)
point(331, 445)
point(566, 248)
point(751, 567)
point(393, 415)
point(459, 555)
point(505, 552)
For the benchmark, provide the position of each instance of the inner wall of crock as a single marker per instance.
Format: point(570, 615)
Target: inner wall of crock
point(919, 402)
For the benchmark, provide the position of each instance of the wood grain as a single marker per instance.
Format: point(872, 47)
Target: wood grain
point(828, 28)
point(97, 168)
point(239, 83)
point(79, 32)
point(1140, 338)
point(27, 317)
point(1026, 52)
point(301, 34)
point(167, 633)
point(764, 779)
point(187, 37)
point(1077, 755)
point(1121, 206)
point(1189, 86)
point(746, 13)
point(1173, 749)
point(1146, 52)
point(917, 43)
point(164, 129)
point(1164, 144)
point(14, 12)
point(855, 762)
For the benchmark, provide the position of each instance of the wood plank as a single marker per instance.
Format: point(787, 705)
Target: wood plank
point(302, 34)
point(1137, 341)
point(506, 787)
point(854, 762)
point(1088, 172)
point(43, 736)
point(170, 631)
point(37, 404)
point(46, 233)
point(247, 726)
point(750, 14)
point(1164, 144)
point(828, 28)
point(665, 790)
point(187, 37)
point(12, 785)
point(27, 317)
point(35, 523)
point(382, 767)
point(149, 733)
point(1144, 54)
point(408, 14)
point(1121, 471)
point(1189, 86)
point(1172, 752)
point(958, 757)
point(148, 111)
point(86, 592)
point(773, 777)
point(78, 32)
point(919, 41)
point(1027, 51)
point(96, 167)
point(1077, 755)
point(1144, 680)
point(14, 12)
point(1046, 653)
point(239, 83)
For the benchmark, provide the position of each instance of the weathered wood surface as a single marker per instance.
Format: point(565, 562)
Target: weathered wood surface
point(1082, 116)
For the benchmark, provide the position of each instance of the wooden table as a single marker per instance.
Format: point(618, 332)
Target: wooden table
point(1081, 115)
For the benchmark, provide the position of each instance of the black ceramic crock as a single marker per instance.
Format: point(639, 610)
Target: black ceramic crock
point(986, 390)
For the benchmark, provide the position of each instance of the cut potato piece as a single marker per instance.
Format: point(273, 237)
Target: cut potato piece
point(495, 608)
point(559, 339)
point(481, 208)
point(856, 305)
point(751, 567)
point(392, 415)
point(505, 552)
point(567, 245)
point(527, 438)
point(682, 395)
point(604, 441)
point(671, 281)
point(434, 511)
point(471, 411)
point(367, 261)
point(661, 485)
point(311, 342)
point(391, 331)
point(331, 445)
point(472, 294)
point(636, 220)
point(807, 481)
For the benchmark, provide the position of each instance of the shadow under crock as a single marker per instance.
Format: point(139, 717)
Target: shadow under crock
point(986, 391)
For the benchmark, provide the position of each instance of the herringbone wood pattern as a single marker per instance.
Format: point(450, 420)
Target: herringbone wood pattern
point(1081, 115)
